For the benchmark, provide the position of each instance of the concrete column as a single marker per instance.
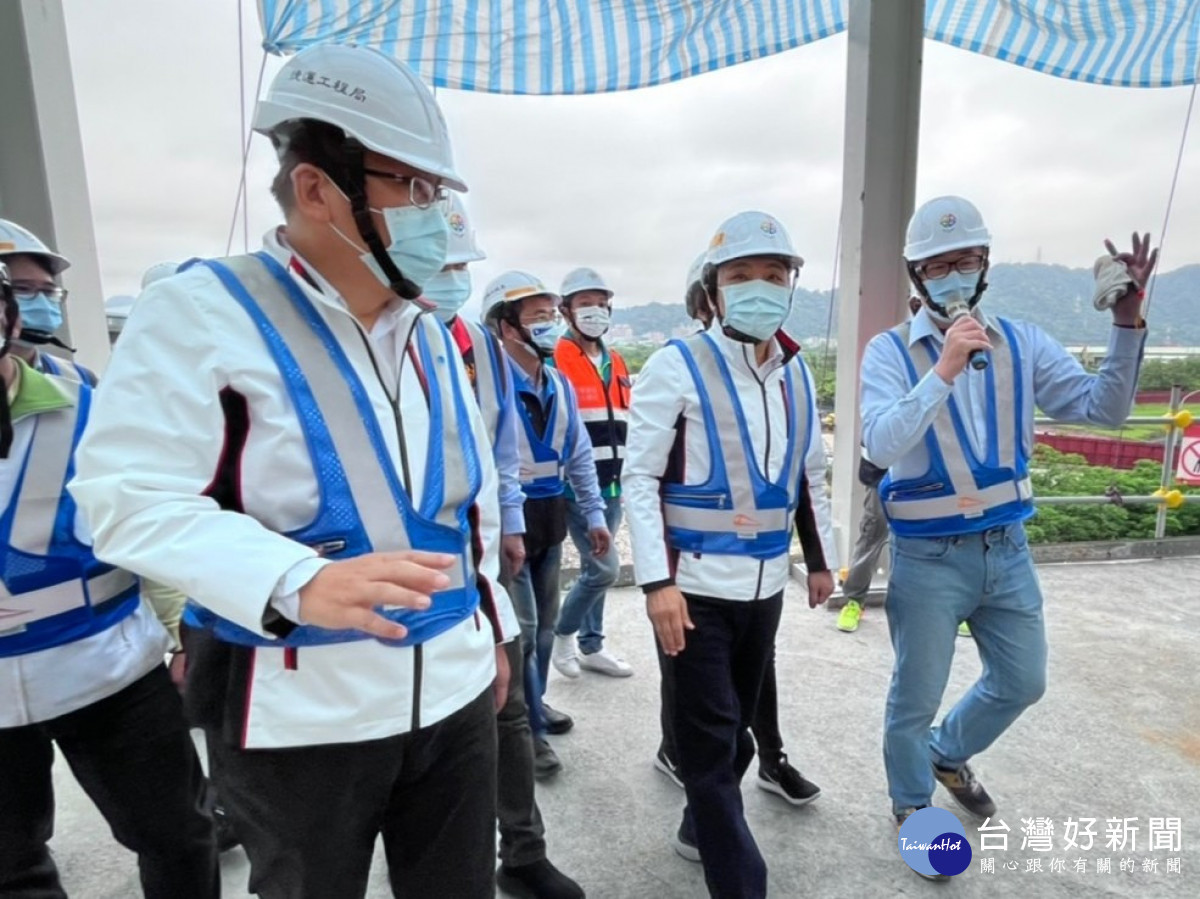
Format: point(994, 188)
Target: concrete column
point(883, 99)
point(43, 182)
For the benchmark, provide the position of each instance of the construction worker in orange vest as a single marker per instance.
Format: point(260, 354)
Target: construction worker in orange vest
point(602, 387)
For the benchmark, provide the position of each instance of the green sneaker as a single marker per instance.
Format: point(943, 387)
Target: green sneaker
point(964, 629)
point(851, 613)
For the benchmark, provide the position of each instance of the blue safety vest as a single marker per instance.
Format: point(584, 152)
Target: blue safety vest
point(544, 455)
point(54, 589)
point(738, 511)
point(489, 381)
point(961, 493)
point(363, 506)
point(69, 369)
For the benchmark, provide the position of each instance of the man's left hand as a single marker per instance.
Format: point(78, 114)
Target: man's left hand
point(820, 587)
point(503, 673)
point(1140, 264)
point(601, 541)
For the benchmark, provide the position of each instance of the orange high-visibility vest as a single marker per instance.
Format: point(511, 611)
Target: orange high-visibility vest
point(603, 407)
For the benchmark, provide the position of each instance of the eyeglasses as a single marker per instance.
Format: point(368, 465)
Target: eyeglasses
point(422, 192)
point(967, 265)
point(25, 289)
point(543, 318)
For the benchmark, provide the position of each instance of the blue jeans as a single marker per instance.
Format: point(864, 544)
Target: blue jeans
point(583, 609)
point(534, 593)
point(987, 579)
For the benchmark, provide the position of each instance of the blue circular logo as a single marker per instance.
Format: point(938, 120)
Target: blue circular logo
point(933, 841)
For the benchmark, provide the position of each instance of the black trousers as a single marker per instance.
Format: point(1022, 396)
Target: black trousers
point(522, 834)
point(764, 726)
point(309, 816)
point(132, 755)
point(718, 678)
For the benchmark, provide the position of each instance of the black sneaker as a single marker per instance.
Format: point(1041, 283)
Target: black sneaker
point(667, 767)
point(966, 790)
point(685, 842)
point(545, 759)
point(785, 781)
point(901, 817)
point(556, 722)
point(537, 880)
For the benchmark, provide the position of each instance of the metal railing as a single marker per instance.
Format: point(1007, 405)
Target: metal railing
point(1166, 497)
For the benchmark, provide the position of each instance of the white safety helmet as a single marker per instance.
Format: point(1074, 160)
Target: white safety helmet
point(158, 272)
point(116, 311)
point(18, 241)
point(942, 225)
point(751, 234)
point(372, 97)
point(511, 287)
point(693, 293)
point(581, 279)
point(462, 246)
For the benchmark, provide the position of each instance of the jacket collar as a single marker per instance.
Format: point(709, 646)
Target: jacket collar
point(36, 393)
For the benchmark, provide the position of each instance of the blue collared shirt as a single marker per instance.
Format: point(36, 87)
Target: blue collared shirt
point(580, 465)
point(507, 453)
point(896, 414)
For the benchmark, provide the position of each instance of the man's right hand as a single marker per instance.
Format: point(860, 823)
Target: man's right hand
point(668, 612)
point(962, 338)
point(343, 595)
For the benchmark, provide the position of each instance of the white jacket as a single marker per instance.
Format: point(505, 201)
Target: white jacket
point(153, 448)
point(663, 395)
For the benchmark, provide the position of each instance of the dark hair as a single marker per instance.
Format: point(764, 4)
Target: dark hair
point(307, 141)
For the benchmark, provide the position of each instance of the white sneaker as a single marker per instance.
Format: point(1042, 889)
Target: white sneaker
point(604, 662)
point(564, 657)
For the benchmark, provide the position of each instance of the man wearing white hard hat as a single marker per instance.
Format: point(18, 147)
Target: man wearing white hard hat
point(34, 270)
point(602, 387)
point(524, 868)
point(724, 460)
point(776, 773)
point(261, 442)
point(555, 452)
point(948, 402)
point(81, 663)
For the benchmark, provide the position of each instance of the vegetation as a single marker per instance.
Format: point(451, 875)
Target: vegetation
point(1065, 474)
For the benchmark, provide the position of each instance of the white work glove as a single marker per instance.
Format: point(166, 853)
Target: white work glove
point(1112, 282)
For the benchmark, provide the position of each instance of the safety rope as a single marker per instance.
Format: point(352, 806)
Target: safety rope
point(239, 203)
point(1162, 235)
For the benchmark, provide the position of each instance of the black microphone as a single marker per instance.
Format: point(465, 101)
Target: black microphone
point(978, 358)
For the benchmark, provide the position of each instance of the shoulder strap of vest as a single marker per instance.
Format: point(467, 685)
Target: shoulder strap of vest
point(41, 502)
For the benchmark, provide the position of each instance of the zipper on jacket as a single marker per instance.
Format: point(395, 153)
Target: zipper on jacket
point(418, 672)
point(766, 470)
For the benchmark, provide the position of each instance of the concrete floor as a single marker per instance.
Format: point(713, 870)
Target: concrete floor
point(1117, 735)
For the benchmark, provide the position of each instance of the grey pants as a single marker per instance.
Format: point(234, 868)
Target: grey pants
point(872, 538)
point(522, 834)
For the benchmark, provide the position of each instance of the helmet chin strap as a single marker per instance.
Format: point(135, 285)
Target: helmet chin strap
point(41, 338)
point(356, 190)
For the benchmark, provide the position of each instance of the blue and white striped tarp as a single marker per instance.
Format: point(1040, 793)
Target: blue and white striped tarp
point(593, 46)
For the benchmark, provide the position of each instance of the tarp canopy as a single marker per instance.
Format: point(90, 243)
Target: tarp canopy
point(595, 46)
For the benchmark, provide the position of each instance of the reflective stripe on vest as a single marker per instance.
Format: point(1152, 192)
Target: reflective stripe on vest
point(489, 382)
point(69, 369)
point(363, 506)
point(737, 511)
point(960, 493)
point(543, 456)
point(53, 591)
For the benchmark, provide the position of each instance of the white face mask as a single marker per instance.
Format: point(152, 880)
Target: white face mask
point(449, 291)
point(756, 308)
point(593, 321)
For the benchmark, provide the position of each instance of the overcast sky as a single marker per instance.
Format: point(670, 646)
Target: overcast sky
point(633, 184)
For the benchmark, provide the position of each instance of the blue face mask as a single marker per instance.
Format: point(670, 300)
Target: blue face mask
point(953, 291)
point(40, 313)
point(756, 308)
point(545, 337)
point(419, 239)
point(449, 291)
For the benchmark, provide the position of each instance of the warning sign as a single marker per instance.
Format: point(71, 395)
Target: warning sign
point(1188, 471)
